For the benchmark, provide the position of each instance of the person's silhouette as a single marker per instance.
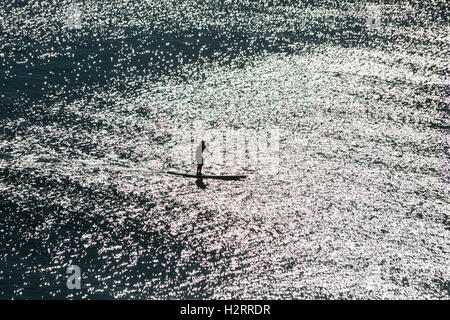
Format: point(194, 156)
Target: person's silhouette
point(199, 157)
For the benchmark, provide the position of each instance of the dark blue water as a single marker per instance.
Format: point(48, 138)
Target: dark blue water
point(95, 95)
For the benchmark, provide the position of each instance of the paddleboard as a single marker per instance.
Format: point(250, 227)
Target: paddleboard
point(207, 176)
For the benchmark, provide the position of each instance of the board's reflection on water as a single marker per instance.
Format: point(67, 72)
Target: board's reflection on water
point(200, 183)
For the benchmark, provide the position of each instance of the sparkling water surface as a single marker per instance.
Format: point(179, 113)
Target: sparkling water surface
point(93, 92)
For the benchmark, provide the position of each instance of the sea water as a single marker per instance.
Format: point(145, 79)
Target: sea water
point(338, 114)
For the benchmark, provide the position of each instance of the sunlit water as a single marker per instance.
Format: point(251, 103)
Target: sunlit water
point(359, 207)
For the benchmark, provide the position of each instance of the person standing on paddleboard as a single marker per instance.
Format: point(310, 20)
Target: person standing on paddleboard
point(199, 157)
